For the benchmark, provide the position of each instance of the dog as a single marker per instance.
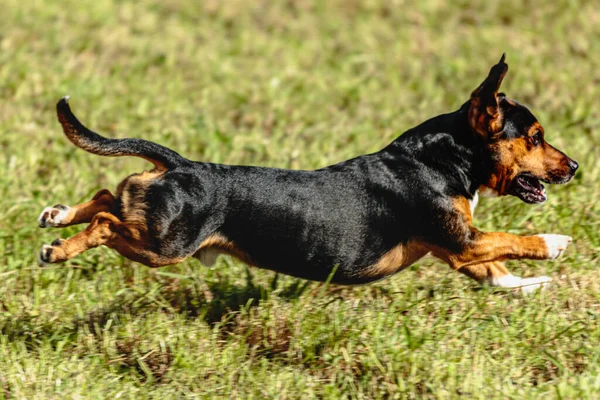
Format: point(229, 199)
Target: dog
point(355, 222)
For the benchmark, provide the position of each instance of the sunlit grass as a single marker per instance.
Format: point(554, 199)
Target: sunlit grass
point(296, 84)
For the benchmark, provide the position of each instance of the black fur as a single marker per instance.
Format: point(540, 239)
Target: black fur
point(97, 144)
point(305, 223)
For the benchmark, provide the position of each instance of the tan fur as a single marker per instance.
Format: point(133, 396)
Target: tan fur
point(477, 254)
point(396, 259)
point(217, 244)
point(493, 246)
point(485, 116)
point(97, 233)
point(519, 155)
point(106, 229)
point(462, 205)
point(483, 247)
point(131, 192)
point(103, 201)
point(485, 272)
point(128, 235)
point(485, 121)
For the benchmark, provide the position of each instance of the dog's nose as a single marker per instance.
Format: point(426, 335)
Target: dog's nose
point(573, 166)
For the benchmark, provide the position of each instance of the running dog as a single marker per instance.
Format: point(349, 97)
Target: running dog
point(363, 219)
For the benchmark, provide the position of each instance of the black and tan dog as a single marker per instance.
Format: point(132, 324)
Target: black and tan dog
point(368, 217)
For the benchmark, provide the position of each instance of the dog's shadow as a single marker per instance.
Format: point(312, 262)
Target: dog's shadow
point(213, 301)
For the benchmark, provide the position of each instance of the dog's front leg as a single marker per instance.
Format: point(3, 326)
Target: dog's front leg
point(496, 274)
point(481, 247)
point(481, 255)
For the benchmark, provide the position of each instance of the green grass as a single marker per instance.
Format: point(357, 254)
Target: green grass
point(296, 84)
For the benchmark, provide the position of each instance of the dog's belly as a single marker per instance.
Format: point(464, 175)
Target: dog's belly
point(387, 264)
point(217, 244)
point(208, 257)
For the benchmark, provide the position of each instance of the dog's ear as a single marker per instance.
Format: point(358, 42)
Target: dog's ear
point(485, 115)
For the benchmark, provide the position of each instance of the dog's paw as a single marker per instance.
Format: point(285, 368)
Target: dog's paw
point(530, 285)
point(527, 285)
point(48, 253)
point(53, 216)
point(45, 255)
point(556, 244)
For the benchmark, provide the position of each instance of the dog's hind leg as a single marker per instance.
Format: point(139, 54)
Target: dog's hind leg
point(103, 227)
point(106, 229)
point(496, 274)
point(61, 216)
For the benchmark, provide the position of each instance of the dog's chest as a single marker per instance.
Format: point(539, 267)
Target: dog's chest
point(473, 202)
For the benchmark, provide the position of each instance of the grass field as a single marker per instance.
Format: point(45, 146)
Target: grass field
point(295, 84)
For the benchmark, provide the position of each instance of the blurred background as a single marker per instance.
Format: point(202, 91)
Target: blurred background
point(291, 84)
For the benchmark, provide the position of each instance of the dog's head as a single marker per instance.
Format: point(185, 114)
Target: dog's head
point(515, 141)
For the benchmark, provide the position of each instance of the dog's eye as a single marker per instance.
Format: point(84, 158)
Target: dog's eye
point(537, 138)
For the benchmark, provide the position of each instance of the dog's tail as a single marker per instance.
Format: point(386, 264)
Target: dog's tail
point(160, 156)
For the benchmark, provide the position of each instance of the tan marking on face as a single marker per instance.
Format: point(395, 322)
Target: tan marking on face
point(519, 156)
point(534, 128)
point(396, 259)
point(506, 153)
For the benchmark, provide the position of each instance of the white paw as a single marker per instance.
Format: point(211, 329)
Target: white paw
point(530, 285)
point(47, 254)
point(53, 216)
point(506, 281)
point(527, 285)
point(43, 257)
point(556, 244)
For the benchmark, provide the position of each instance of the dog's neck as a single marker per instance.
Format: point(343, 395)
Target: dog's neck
point(447, 144)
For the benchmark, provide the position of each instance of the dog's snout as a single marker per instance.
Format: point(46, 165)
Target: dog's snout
point(573, 166)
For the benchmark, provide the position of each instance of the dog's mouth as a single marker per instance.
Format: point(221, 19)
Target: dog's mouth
point(529, 189)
